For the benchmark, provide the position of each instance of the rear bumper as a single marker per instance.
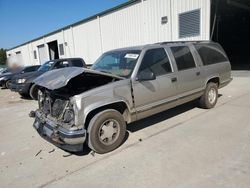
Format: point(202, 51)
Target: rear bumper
point(21, 88)
point(59, 136)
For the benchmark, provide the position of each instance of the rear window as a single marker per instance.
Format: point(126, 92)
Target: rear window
point(77, 63)
point(61, 64)
point(183, 57)
point(210, 54)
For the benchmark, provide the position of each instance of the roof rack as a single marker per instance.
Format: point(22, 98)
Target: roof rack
point(171, 42)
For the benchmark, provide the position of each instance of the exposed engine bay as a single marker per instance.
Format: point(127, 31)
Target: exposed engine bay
point(55, 103)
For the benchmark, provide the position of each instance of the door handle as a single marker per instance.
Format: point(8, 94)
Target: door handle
point(198, 73)
point(173, 79)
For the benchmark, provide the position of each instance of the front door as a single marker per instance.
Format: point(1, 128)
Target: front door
point(153, 96)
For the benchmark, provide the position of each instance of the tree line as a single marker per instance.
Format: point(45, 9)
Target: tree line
point(3, 57)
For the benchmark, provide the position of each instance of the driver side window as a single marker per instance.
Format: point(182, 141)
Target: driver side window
point(156, 61)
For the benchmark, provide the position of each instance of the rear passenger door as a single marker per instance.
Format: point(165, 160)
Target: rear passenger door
point(189, 75)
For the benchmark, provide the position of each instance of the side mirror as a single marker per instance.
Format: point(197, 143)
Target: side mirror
point(146, 75)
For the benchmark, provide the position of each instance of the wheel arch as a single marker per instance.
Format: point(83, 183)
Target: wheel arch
point(214, 79)
point(120, 106)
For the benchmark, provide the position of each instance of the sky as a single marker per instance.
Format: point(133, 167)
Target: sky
point(24, 20)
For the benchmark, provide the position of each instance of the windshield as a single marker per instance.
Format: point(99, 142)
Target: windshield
point(120, 63)
point(46, 66)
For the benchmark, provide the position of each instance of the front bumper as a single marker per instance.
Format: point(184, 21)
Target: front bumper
point(57, 135)
point(21, 88)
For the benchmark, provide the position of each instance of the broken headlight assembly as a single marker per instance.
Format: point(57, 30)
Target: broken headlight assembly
point(68, 116)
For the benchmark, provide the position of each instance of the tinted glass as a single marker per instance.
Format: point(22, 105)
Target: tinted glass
point(77, 63)
point(61, 64)
point(183, 57)
point(30, 69)
point(46, 66)
point(157, 61)
point(210, 54)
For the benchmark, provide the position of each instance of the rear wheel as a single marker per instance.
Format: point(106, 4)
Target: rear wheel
point(107, 130)
point(33, 92)
point(209, 98)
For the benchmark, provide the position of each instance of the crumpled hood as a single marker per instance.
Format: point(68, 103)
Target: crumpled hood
point(59, 78)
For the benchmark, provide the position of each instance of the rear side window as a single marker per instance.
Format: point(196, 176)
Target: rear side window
point(77, 63)
point(61, 64)
point(183, 57)
point(157, 61)
point(210, 54)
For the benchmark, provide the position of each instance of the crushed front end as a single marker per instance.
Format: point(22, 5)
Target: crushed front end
point(55, 121)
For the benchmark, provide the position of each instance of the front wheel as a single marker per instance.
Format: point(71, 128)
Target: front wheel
point(7, 84)
point(34, 92)
point(106, 131)
point(209, 98)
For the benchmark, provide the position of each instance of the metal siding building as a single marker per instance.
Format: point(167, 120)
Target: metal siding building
point(134, 23)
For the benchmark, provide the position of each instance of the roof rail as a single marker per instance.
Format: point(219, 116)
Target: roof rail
point(171, 42)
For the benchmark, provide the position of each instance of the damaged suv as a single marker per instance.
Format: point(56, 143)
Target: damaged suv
point(78, 105)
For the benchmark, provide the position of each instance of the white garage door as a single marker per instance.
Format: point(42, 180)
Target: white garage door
point(42, 54)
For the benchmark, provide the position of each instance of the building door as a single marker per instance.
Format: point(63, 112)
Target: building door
point(42, 54)
point(53, 50)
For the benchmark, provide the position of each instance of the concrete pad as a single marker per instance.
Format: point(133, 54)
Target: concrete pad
point(182, 147)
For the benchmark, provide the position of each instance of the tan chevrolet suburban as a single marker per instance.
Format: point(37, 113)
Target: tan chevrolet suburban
point(78, 105)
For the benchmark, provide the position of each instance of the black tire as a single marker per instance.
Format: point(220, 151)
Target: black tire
point(95, 130)
point(24, 95)
point(7, 84)
point(204, 101)
point(33, 92)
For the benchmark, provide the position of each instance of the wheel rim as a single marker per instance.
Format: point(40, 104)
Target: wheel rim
point(212, 95)
point(109, 132)
point(8, 84)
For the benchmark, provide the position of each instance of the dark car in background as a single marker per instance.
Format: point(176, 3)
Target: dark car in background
point(24, 85)
point(8, 74)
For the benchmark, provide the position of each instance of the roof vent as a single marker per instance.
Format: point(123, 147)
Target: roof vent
point(189, 23)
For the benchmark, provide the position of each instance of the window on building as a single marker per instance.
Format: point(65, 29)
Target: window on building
point(157, 61)
point(183, 57)
point(35, 54)
point(210, 54)
point(61, 49)
point(189, 23)
point(19, 52)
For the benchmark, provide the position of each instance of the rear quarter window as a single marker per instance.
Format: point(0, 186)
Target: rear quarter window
point(211, 54)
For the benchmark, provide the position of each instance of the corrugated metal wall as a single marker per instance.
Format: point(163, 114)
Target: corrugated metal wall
point(135, 24)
